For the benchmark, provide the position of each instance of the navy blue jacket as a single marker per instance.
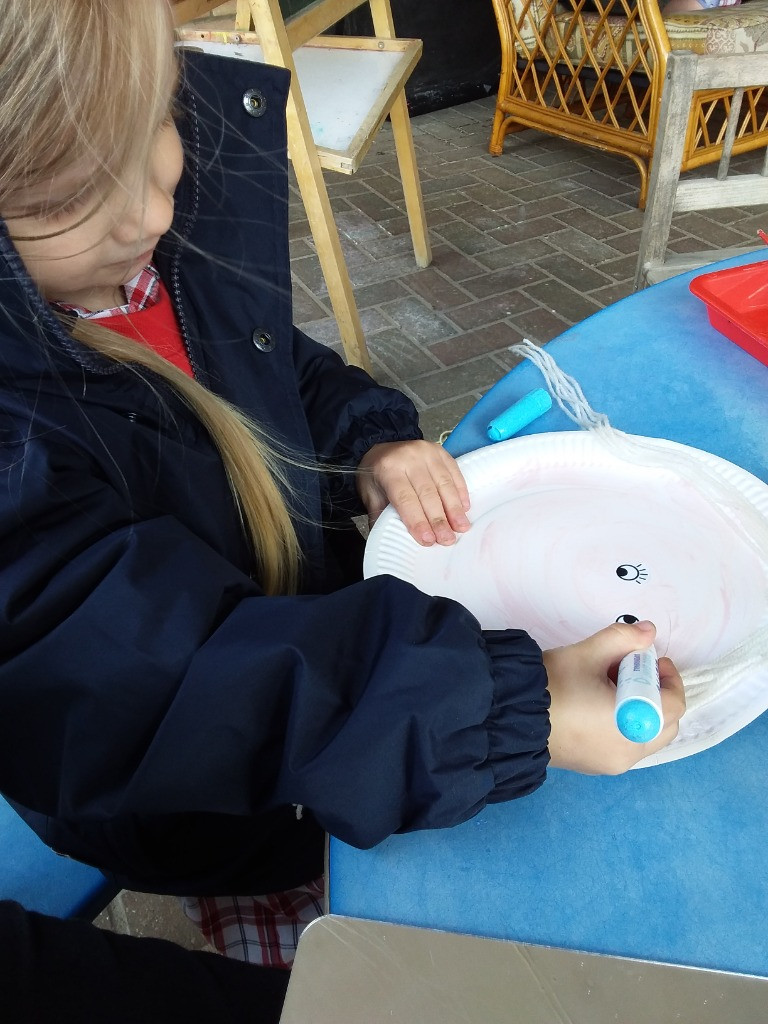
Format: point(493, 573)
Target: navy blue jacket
point(159, 716)
point(68, 972)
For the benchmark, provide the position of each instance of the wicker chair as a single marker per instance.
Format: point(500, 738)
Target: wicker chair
point(595, 74)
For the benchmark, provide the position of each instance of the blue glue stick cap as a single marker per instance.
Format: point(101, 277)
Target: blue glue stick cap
point(638, 720)
point(519, 415)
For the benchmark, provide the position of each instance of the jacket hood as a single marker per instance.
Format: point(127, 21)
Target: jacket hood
point(31, 335)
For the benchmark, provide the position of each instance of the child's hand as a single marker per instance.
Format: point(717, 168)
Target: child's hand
point(423, 483)
point(584, 734)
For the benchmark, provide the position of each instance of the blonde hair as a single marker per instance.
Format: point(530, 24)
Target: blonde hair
point(89, 80)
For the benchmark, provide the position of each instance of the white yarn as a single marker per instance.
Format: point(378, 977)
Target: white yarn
point(704, 683)
point(565, 390)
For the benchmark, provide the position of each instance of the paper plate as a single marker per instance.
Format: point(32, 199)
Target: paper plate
point(566, 538)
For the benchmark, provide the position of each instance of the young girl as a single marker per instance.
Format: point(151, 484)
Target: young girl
point(195, 684)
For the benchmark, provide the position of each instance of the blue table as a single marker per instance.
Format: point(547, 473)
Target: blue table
point(39, 879)
point(664, 864)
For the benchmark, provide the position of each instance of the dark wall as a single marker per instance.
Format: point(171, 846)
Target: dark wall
point(289, 7)
point(462, 54)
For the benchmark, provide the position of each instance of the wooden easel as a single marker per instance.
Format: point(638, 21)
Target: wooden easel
point(322, 133)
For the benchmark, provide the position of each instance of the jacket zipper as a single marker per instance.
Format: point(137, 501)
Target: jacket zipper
point(176, 259)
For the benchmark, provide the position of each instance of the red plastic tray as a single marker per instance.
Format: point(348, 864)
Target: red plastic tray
point(737, 305)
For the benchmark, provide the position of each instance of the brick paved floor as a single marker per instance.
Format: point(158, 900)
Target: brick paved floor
point(525, 245)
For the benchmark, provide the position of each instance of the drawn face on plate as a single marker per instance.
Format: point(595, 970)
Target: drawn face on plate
point(562, 550)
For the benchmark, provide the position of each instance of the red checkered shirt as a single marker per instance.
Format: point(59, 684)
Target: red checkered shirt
point(147, 316)
point(140, 293)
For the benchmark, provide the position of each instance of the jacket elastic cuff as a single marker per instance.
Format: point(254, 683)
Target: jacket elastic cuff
point(382, 429)
point(518, 724)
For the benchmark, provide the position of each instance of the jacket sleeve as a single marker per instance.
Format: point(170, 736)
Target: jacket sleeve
point(141, 673)
point(67, 972)
point(348, 412)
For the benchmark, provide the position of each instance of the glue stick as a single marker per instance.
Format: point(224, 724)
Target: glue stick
point(639, 714)
point(519, 415)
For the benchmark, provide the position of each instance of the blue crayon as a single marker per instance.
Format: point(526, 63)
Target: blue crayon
point(519, 415)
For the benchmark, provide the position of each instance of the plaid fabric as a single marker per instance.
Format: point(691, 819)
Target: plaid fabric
point(140, 293)
point(258, 929)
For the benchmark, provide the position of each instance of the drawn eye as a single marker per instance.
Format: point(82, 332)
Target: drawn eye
point(629, 619)
point(631, 573)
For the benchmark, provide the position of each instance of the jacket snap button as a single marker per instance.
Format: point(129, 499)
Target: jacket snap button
point(263, 341)
point(255, 102)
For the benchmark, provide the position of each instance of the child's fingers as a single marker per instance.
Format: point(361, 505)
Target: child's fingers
point(451, 489)
point(440, 503)
point(672, 706)
point(421, 510)
point(457, 479)
point(425, 486)
point(672, 694)
point(452, 494)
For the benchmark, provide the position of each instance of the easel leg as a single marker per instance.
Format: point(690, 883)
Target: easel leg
point(384, 26)
point(329, 251)
point(243, 20)
point(270, 27)
point(409, 175)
